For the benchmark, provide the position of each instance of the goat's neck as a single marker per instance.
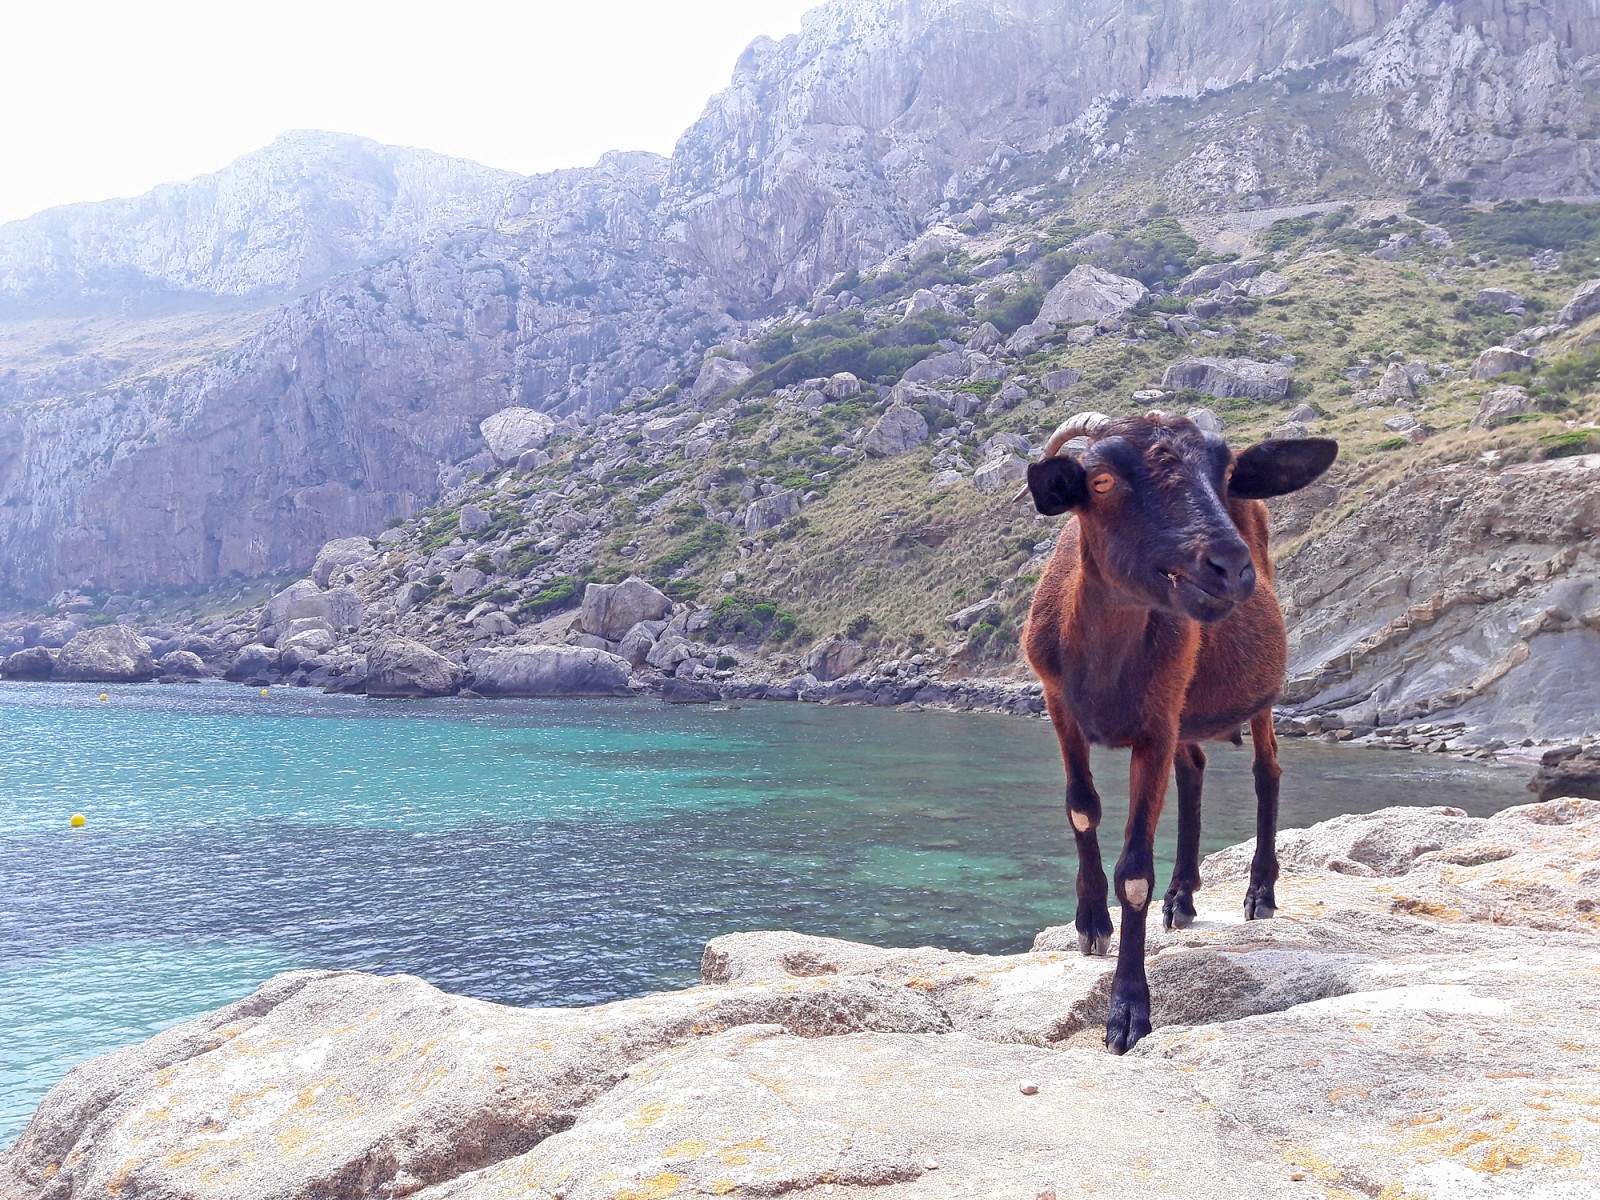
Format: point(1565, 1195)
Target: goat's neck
point(1106, 614)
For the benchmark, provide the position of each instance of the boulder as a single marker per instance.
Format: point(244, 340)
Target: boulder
point(1501, 299)
point(969, 616)
point(637, 643)
point(513, 431)
point(341, 559)
point(611, 610)
point(181, 664)
point(466, 580)
point(768, 512)
point(1584, 304)
point(898, 430)
point(689, 691)
point(717, 376)
point(1061, 379)
point(1088, 294)
point(997, 474)
point(35, 662)
point(1265, 285)
point(1567, 774)
point(473, 518)
point(401, 667)
point(659, 430)
point(1229, 378)
point(254, 661)
point(338, 608)
point(1500, 406)
point(834, 657)
point(937, 368)
point(842, 386)
point(985, 338)
point(548, 671)
point(1396, 384)
point(1206, 419)
point(109, 654)
point(1214, 275)
point(1499, 360)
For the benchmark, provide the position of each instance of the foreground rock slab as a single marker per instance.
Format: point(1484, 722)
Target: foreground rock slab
point(1421, 1020)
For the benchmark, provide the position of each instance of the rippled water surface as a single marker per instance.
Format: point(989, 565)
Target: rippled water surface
point(538, 852)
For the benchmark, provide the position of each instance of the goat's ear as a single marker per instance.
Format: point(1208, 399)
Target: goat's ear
point(1279, 466)
point(1057, 484)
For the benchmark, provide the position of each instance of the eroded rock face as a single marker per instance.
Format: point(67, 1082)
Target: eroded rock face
point(1381, 642)
point(111, 654)
point(1584, 304)
point(1449, 990)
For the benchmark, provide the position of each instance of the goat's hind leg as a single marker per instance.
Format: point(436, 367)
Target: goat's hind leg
point(1177, 909)
point(1093, 918)
point(1260, 900)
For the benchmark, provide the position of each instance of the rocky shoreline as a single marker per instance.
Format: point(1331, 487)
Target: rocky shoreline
point(1419, 1021)
point(310, 635)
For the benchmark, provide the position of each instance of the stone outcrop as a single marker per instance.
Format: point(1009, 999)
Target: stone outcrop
point(1456, 954)
point(1229, 378)
point(833, 657)
point(402, 667)
point(1087, 293)
point(110, 654)
point(547, 671)
point(1491, 619)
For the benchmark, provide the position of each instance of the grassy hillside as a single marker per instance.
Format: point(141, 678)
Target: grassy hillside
point(884, 549)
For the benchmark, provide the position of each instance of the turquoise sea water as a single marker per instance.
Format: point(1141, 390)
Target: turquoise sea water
point(536, 852)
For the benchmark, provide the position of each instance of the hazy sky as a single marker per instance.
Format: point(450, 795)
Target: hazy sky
point(105, 99)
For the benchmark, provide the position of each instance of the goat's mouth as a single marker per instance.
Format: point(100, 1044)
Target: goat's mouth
point(1195, 600)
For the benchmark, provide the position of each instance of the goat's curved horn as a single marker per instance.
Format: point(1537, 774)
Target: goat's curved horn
point(1079, 425)
point(1088, 423)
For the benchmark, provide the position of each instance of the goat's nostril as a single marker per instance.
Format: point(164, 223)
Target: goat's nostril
point(1231, 563)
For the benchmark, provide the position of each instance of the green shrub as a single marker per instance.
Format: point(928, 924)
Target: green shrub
point(563, 591)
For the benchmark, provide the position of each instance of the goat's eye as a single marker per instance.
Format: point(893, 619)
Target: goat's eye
point(1102, 483)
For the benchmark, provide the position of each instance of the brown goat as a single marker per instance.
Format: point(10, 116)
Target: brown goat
point(1155, 627)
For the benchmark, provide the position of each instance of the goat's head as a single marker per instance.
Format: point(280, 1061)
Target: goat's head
point(1151, 496)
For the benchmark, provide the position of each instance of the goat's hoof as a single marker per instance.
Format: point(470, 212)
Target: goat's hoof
point(1098, 945)
point(1130, 1017)
point(1260, 904)
point(1177, 910)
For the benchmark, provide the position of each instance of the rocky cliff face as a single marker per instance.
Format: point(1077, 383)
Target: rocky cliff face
point(244, 449)
point(276, 221)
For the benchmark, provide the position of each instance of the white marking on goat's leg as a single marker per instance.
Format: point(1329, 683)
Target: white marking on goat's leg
point(1136, 892)
point(1082, 821)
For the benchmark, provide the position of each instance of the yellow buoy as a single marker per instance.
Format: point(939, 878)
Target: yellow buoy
point(102, 695)
point(263, 691)
point(78, 820)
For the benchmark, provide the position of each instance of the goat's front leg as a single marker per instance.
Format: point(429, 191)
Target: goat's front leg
point(1261, 901)
point(1135, 876)
point(1093, 918)
point(1177, 909)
